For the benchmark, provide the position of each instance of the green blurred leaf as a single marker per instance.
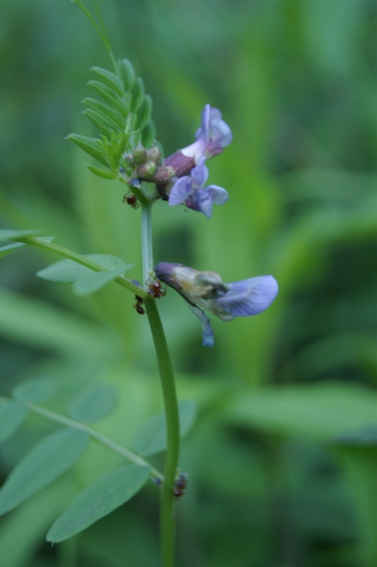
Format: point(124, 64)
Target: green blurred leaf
point(12, 416)
point(137, 95)
point(36, 390)
point(50, 458)
point(127, 73)
point(68, 271)
point(107, 112)
point(111, 80)
point(34, 322)
point(4, 250)
point(91, 146)
point(321, 411)
point(102, 497)
point(144, 112)
point(104, 173)
point(151, 437)
point(93, 403)
point(6, 234)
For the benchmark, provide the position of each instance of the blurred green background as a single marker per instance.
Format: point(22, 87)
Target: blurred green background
point(282, 462)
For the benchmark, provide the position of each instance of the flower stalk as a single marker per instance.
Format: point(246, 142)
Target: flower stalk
point(167, 504)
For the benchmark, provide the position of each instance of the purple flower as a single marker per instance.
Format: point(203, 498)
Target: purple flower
point(212, 136)
point(190, 190)
point(206, 290)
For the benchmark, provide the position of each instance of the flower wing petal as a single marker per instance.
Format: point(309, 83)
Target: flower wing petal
point(217, 194)
point(180, 191)
point(249, 297)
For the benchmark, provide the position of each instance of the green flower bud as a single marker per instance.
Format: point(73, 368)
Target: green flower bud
point(147, 170)
point(139, 154)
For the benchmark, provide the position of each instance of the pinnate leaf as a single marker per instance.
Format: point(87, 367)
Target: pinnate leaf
point(94, 402)
point(151, 437)
point(99, 499)
point(12, 416)
point(50, 458)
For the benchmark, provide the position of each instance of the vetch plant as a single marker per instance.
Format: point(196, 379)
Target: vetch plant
point(127, 151)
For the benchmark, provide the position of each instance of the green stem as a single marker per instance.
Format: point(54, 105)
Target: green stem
point(146, 241)
point(167, 504)
point(46, 245)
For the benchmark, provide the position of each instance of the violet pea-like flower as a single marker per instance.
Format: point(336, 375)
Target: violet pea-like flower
point(190, 190)
point(212, 136)
point(207, 291)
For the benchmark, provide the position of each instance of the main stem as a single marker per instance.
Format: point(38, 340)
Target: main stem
point(167, 504)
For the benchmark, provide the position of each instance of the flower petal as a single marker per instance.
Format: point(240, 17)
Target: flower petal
point(199, 175)
point(180, 191)
point(217, 194)
point(249, 297)
point(200, 201)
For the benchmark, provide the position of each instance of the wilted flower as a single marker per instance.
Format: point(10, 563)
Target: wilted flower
point(206, 290)
point(190, 190)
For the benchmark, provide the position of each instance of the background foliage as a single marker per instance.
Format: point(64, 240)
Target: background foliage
point(283, 458)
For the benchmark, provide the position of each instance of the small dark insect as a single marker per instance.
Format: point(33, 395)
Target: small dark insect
point(139, 305)
point(180, 485)
point(156, 290)
point(131, 200)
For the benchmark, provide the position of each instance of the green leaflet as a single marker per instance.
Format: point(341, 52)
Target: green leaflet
point(110, 96)
point(92, 403)
point(127, 73)
point(91, 146)
point(5, 250)
point(50, 458)
point(144, 112)
point(15, 234)
point(99, 499)
point(85, 280)
point(37, 390)
point(12, 416)
point(110, 79)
